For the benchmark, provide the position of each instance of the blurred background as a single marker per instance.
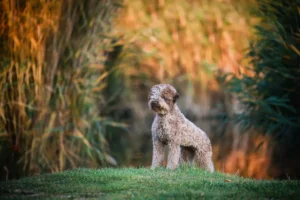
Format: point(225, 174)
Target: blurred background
point(75, 77)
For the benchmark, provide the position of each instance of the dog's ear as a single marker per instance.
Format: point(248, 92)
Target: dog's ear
point(176, 97)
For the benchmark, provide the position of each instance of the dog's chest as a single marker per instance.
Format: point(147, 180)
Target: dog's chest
point(163, 129)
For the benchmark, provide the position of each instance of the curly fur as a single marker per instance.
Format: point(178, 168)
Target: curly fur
point(185, 141)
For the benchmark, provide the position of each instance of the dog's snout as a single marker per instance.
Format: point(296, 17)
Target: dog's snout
point(154, 104)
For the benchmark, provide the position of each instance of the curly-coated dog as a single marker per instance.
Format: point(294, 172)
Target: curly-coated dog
point(185, 141)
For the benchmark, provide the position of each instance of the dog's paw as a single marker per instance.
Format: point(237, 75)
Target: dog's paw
point(172, 167)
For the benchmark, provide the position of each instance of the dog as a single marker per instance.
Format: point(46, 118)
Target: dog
point(185, 141)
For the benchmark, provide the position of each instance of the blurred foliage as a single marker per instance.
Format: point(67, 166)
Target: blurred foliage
point(270, 92)
point(187, 40)
point(52, 80)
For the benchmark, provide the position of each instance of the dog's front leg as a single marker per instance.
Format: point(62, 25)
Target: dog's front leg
point(158, 153)
point(173, 156)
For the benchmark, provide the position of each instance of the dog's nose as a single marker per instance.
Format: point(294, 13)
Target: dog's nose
point(154, 104)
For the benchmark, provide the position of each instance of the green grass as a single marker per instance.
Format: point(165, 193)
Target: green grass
point(143, 183)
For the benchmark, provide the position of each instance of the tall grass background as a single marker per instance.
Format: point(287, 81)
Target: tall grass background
point(188, 38)
point(52, 81)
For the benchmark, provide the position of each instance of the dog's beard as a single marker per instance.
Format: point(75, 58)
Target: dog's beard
point(160, 111)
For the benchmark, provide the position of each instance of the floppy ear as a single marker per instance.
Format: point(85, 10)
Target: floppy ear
point(176, 97)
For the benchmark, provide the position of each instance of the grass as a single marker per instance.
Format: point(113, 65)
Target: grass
point(143, 183)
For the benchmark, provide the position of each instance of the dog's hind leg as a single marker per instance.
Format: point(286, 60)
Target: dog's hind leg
point(205, 160)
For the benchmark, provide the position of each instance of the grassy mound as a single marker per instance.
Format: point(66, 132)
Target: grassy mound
point(128, 183)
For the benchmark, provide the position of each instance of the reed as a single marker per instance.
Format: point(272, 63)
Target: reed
point(52, 79)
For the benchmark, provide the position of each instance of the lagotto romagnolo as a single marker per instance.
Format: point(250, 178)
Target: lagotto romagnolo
point(185, 141)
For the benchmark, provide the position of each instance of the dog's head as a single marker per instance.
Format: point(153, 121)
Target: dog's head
point(162, 98)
